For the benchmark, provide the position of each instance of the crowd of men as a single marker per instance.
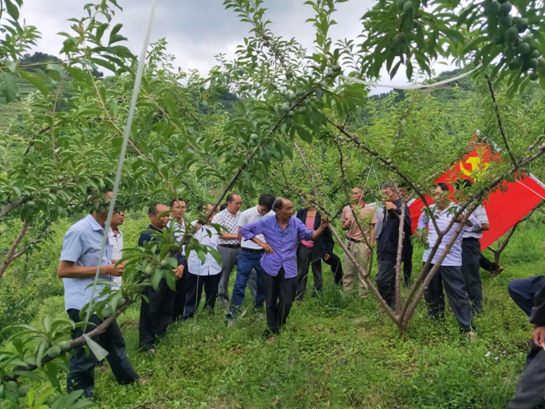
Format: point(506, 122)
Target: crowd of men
point(273, 252)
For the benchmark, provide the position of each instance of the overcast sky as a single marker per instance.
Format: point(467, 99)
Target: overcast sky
point(196, 30)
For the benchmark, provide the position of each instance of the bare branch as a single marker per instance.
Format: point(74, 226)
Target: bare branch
point(11, 252)
point(500, 124)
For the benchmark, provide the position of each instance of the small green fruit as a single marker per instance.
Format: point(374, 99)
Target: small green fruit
point(337, 68)
point(165, 264)
point(523, 48)
point(121, 301)
point(511, 34)
point(522, 25)
point(505, 8)
point(291, 114)
point(400, 4)
point(493, 8)
point(149, 270)
point(534, 76)
point(408, 7)
point(400, 38)
point(64, 346)
point(285, 108)
point(533, 63)
point(536, 54)
point(506, 21)
point(515, 63)
point(23, 390)
point(11, 388)
point(541, 63)
point(31, 203)
point(292, 96)
point(254, 137)
point(54, 351)
point(107, 312)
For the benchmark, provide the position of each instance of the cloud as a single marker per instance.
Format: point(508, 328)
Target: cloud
point(196, 30)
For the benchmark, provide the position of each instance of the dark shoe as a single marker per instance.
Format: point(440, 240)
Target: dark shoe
point(497, 272)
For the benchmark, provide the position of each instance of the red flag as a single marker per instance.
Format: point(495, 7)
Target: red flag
point(504, 207)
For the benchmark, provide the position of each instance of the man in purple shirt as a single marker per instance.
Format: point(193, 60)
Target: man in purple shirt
point(282, 234)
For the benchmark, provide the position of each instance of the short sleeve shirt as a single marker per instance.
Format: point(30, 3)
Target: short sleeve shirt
point(480, 214)
point(248, 217)
point(230, 222)
point(81, 245)
point(367, 216)
point(207, 236)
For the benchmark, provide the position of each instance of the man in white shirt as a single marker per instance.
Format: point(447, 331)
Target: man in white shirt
point(115, 237)
point(229, 244)
point(471, 253)
point(250, 256)
point(178, 207)
point(202, 273)
point(450, 272)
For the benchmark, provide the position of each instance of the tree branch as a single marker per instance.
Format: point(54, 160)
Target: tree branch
point(11, 252)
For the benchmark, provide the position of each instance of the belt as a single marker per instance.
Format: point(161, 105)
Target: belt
point(471, 239)
point(354, 240)
point(252, 250)
point(230, 246)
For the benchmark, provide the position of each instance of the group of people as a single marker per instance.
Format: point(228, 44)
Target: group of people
point(273, 252)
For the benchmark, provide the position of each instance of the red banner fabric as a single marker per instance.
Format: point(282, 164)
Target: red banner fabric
point(504, 207)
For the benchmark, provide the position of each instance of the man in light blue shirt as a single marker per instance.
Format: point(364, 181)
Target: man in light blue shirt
point(77, 267)
point(450, 272)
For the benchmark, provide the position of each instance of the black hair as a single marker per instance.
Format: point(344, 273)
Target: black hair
point(266, 200)
point(230, 197)
point(389, 185)
point(463, 184)
point(223, 207)
point(444, 187)
point(172, 201)
point(277, 205)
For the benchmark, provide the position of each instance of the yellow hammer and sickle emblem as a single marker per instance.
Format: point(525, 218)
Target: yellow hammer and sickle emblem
point(477, 169)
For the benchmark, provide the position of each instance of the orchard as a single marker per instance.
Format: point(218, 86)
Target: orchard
point(275, 118)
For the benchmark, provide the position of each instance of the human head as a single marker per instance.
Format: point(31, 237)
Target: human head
point(234, 202)
point(389, 191)
point(357, 195)
point(178, 207)
point(101, 203)
point(441, 194)
point(404, 190)
point(462, 184)
point(158, 215)
point(265, 203)
point(204, 209)
point(118, 217)
point(283, 208)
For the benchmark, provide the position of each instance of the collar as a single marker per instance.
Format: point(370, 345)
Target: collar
point(152, 227)
point(119, 232)
point(451, 203)
point(93, 223)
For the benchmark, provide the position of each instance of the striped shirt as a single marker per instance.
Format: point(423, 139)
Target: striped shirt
point(476, 233)
point(454, 256)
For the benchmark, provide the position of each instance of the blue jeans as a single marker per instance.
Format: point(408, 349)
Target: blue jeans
point(247, 261)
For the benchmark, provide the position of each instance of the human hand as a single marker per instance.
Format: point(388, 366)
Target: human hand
point(539, 336)
point(179, 271)
point(327, 257)
point(390, 206)
point(113, 269)
point(268, 249)
point(324, 223)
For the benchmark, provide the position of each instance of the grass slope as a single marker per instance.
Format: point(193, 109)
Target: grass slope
point(336, 351)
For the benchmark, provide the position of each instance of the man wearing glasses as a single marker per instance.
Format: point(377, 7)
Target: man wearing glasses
point(115, 237)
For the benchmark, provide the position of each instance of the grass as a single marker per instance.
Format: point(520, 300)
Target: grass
point(337, 351)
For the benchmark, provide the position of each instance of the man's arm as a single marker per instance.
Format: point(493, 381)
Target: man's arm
point(67, 269)
point(347, 218)
point(372, 235)
point(422, 221)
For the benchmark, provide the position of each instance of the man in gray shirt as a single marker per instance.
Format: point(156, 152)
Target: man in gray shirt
point(77, 267)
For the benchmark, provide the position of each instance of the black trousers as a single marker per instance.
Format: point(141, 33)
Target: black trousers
point(336, 268)
point(81, 365)
point(279, 296)
point(471, 256)
point(408, 265)
point(180, 297)
point(307, 257)
point(530, 391)
point(486, 264)
point(386, 281)
point(455, 287)
point(155, 315)
point(195, 284)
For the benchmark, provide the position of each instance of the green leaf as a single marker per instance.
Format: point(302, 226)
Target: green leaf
point(8, 86)
point(13, 11)
point(36, 81)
